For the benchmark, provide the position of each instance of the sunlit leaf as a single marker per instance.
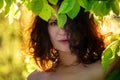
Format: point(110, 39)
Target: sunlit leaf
point(87, 4)
point(53, 1)
point(7, 7)
point(108, 55)
point(81, 3)
point(107, 58)
point(66, 6)
point(116, 6)
point(46, 11)
point(62, 19)
point(115, 47)
point(117, 51)
point(101, 8)
point(36, 6)
point(73, 13)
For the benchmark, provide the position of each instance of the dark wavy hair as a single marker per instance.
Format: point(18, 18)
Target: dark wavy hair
point(85, 40)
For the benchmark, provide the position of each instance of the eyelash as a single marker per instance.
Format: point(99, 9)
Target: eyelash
point(53, 23)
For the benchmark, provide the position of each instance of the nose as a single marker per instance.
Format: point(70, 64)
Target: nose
point(61, 31)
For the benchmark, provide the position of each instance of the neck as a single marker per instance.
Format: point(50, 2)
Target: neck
point(67, 59)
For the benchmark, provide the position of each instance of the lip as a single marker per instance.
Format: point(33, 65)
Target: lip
point(63, 41)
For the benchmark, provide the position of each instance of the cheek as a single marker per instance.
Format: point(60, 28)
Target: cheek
point(52, 33)
point(53, 39)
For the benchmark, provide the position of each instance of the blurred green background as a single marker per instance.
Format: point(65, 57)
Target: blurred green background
point(13, 65)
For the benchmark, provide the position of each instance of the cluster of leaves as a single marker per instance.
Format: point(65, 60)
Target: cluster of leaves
point(68, 8)
point(71, 8)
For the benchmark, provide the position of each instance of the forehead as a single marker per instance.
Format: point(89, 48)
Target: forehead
point(52, 18)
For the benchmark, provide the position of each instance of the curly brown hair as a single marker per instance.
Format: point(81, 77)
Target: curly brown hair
point(85, 40)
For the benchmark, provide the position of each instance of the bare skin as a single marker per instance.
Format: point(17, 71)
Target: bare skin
point(76, 72)
point(70, 70)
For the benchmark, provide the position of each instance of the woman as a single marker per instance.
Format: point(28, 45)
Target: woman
point(72, 52)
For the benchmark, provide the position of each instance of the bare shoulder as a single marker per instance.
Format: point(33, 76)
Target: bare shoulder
point(37, 75)
point(33, 75)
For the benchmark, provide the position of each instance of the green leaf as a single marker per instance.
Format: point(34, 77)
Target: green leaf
point(66, 6)
point(118, 49)
point(73, 13)
point(87, 4)
point(35, 5)
point(46, 11)
point(107, 58)
point(62, 19)
point(7, 7)
point(81, 3)
point(115, 47)
point(116, 6)
point(54, 2)
point(108, 55)
point(1, 4)
point(100, 8)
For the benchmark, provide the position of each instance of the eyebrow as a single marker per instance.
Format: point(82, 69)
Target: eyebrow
point(52, 20)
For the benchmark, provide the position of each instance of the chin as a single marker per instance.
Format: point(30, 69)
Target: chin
point(64, 49)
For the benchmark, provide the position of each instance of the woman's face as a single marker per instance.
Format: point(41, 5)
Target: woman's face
point(58, 36)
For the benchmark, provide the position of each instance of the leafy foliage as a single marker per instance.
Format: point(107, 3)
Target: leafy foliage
point(8, 5)
point(45, 14)
point(69, 8)
point(62, 19)
point(66, 6)
point(115, 6)
point(35, 8)
point(110, 52)
point(73, 12)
